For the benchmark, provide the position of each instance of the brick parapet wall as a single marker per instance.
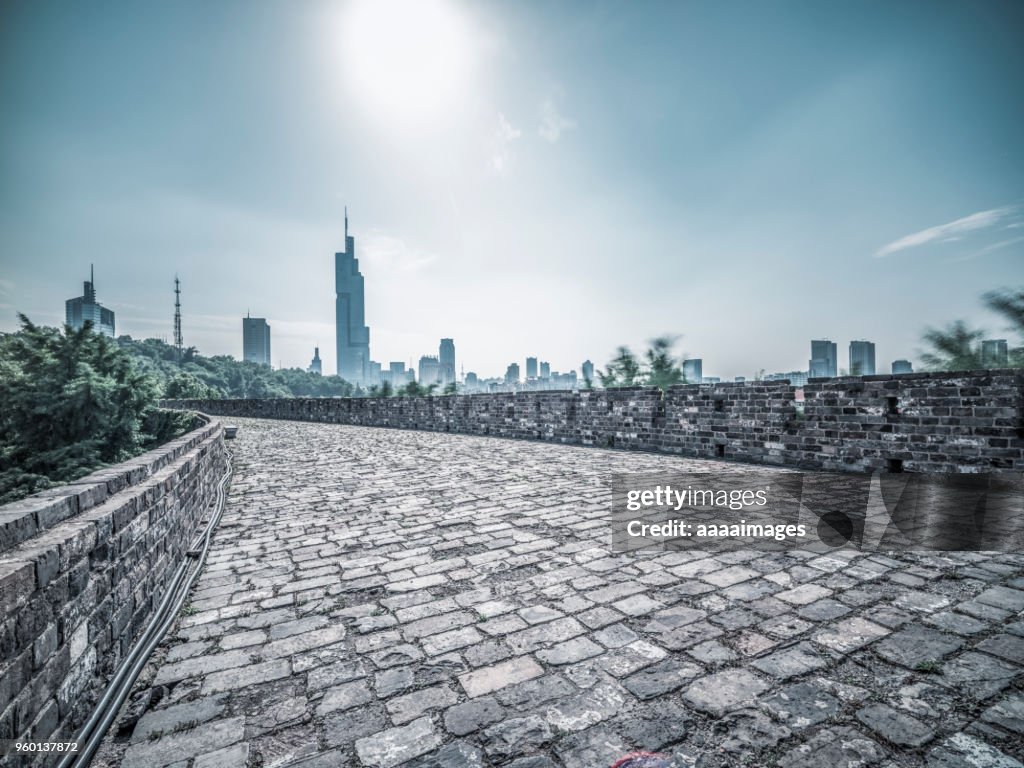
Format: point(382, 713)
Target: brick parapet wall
point(928, 422)
point(82, 567)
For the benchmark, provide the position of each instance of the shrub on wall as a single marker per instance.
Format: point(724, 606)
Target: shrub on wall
point(72, 402)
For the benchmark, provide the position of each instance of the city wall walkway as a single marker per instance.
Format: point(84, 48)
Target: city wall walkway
point(381, 597)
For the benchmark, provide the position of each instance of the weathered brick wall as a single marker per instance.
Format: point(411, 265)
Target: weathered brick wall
point(925, 422)
point(82, 566)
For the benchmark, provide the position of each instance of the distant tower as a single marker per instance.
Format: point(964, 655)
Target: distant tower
point(446, 356)
point(353, 337)
point(85, 308)
point(178, 345)
point(315, 365)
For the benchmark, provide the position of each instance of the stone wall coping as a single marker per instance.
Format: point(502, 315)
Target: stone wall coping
point(23, 519)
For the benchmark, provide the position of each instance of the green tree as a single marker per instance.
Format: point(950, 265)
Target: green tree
point(954, 348)
point(1010, 304)
point(450, 388)
point(662, 369)
point(622, 371)
point(73, 401)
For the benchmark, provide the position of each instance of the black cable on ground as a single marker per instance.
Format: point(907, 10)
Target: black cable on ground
point(91, 735)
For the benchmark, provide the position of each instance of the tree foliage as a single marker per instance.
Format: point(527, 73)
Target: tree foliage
point(958, 346)
point(659, 368)
point(72, 402)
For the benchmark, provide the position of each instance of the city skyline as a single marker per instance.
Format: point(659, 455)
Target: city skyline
point(587, 176)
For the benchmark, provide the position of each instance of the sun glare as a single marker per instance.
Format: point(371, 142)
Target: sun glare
point(407, 60)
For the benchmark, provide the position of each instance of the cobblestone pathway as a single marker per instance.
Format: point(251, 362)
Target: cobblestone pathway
point(380, 597)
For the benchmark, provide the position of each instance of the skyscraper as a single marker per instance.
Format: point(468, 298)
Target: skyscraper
point(823, 359)
point(430, 371)
point(531, 368)
point(314, 365)
point(256, 340)
point(545, 370)
point(512, 373)
point(902, 366)
point(587, 369)
point(862, 358)
point(994, 353)
point(693, 370)
point(85, 307)
point(446, 355)
point(353, 337)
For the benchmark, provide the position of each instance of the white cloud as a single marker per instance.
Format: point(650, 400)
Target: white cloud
point(552, 123)
point(948, 232)
point(386, 253)
point(990, 249)
point(504, 135)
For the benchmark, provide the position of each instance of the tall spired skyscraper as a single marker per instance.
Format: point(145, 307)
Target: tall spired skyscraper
point(353, 336)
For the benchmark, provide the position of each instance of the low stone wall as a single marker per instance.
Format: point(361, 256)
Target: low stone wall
point(82, 566)
point(920, 422)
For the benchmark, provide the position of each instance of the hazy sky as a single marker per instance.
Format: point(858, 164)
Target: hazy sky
point(550, 179)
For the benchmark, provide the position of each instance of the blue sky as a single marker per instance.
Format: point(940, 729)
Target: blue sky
point(549, 179)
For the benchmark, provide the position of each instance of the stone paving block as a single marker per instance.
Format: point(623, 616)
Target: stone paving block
point(516, 736)
point(964, 751)
point(411, 705)
point(790, 662)
point(185, 744)
point(169, 719)
point(245, 677)
point(345, 696)
point(569, 652)
point(345, 727)
point(850, 635)
point(586, 708)
point(473, 715)
point(746, 731)
point(977, 675)
point(398, 745)
point(917, 644)
point(802, 705)
point(724, 691)
point(661, 678)
point(532, 693)
point(489, 679)
point(1005, 646)
point(1003, 597)
point(836, 748)
point(894, 726)
point(1007, 713)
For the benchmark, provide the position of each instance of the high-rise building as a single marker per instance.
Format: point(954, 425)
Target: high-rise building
point(256, 340)
point(531, 368)
point(587, 370)
point(315, 365)
point(740, 379)
point(353, 337)
point(374, 375)
point(512, 374)
point(795, 378)
point(471, 381)
point(823, 362)
point(693, 370)
point(862, 358)
point(85, 308)
point(446, 355)
point(430, 370)
point(545, 370)
point(994, 353)
point(902, 366)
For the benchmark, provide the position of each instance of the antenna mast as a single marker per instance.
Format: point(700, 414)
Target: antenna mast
point(177, 319)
